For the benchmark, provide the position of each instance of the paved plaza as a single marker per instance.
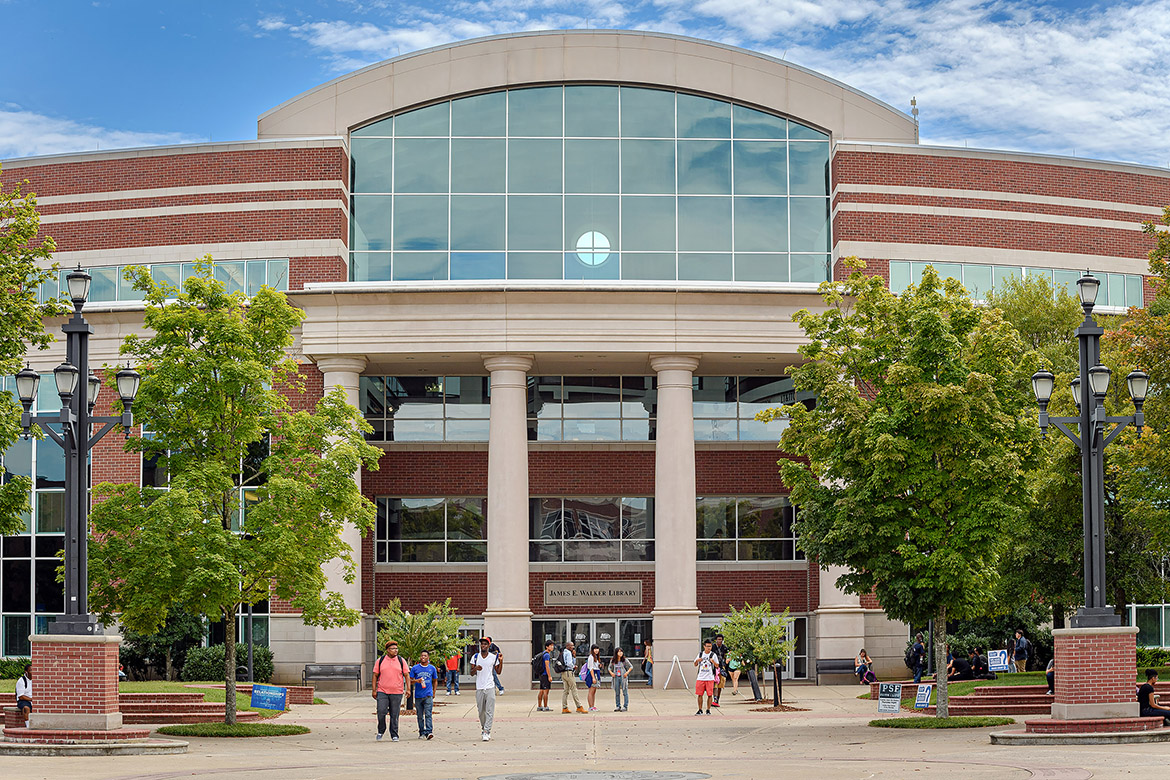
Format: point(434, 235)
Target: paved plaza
point(660, 733)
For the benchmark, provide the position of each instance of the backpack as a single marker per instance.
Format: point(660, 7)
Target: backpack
point(911, 657)
point(538, 664)
point(405, 670)
point(558, 662)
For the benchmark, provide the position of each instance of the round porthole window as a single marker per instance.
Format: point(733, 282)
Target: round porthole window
point(592, 248)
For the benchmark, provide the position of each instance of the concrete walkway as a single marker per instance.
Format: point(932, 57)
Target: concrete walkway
point(660, 732)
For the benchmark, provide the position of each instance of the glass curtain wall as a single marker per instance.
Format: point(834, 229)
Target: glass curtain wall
point(582, 182)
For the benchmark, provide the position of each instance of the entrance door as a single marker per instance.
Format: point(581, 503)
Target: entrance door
point(469, 639)
point(581, 632)
point(607, 633)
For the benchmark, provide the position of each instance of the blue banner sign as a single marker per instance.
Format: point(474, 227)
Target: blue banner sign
point(997, 661)
point(922, 698)
point(269, 697)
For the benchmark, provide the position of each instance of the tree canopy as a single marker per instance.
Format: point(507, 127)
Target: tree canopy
point(258, 495)
point(912, 464)
point(25, 264)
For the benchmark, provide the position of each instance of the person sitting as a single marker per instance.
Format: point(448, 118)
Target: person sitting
point(24, 694)
point(1148, 699)
point(979, 666)
point(959, 669)
point(864, 668)
point(1050, 675)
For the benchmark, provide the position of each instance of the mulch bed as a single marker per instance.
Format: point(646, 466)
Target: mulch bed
point(781, 708)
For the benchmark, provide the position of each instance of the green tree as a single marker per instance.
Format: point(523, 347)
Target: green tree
point(755, 636)
point(913, 462)
point(211, 372)
point(165, 650)
point(435, 630)
point(25, 264)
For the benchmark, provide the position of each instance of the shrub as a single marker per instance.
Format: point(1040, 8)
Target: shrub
point(1149, 656)
point(206, 663)
point(238, 730)
point(11, 668)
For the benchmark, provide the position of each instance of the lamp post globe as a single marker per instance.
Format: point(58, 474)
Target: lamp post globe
point(1139, 384)
point(78, 282)
point(1087, 288)
point(27, 383)
point(127, 380)
point(1099, 380)
point(66, 378)
point(1042, 383)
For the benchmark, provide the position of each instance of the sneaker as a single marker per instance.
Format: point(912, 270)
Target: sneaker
point(625, 709)
point(501, 693)
point(393, 739)
point(486, 737)
point(430, 736)
point(708, 712)
point(735, 693)
point(377, 737)
point(617, 709)
point(698, 712)
point(456, 693)
point(593, 709)
point(714, 704)
point(564, 710)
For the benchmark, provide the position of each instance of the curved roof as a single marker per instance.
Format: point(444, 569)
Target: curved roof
point(611, 56)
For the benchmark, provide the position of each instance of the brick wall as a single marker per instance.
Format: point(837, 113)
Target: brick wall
point(1103, 667)
point(75, 678)
point(467, 590)
point(780, 588)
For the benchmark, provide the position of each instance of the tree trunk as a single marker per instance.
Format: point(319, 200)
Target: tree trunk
point(229, 667)
point(170, 666)
point(1058, 615)
point(940, 663)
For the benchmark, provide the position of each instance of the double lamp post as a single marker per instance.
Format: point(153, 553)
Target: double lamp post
point(1094, 436)
point(72, 429)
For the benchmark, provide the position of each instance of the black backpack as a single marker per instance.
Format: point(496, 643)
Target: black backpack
point(558, 662)
point(911, 657)
point(538, 664)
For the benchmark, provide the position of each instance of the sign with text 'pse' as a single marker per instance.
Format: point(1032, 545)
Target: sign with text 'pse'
point(890, 697)
point(604, 593)
point(269, 697)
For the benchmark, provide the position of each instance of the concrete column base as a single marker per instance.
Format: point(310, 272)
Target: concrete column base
point(1099, 682)
point(676, 633)
point(74, 722)
point(512, 632)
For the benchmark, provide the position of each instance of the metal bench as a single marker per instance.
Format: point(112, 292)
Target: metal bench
point(332, 672)
point(835, 666)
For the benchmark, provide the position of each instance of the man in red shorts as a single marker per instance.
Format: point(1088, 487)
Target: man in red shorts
point(708, 666)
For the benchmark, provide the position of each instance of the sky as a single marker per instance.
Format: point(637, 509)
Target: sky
point(1069, 77)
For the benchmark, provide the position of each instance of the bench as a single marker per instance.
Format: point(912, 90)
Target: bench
point(835, 666)
point(332, 672)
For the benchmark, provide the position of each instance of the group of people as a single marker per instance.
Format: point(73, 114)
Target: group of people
point(974, 667)
point(550, 664)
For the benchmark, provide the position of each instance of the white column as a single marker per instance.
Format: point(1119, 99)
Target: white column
point(840, 627)
point(343, 644)
point(676, 611)
point(508, 618)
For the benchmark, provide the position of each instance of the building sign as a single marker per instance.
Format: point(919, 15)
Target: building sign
point(890, 697)
point(600, 593)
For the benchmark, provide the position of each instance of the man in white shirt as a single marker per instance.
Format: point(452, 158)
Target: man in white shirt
point(708, 665)
point(569, 679)
point(485, 665)
point(24, 693)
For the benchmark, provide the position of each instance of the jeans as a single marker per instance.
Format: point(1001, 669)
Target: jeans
point(496, 678)
point(422, 711)
point(453, 679)
point(391, 702)
point(650, 674)
point(918, 669)
point(621, 685)
point(570, 682)
point(485, 702)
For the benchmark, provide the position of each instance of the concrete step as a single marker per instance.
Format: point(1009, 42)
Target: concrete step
point(143, 707)
point(960, 707)
point(1109, 725)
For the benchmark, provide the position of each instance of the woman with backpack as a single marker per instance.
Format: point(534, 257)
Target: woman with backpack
point(592, 675)
point(620, 667)
point(864, 668)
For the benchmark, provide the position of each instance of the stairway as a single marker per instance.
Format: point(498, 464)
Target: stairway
point(160, 708)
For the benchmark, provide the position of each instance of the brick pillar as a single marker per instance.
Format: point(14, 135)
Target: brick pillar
point(75, 682)
point(1095, 673)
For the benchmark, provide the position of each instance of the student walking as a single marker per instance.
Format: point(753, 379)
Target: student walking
point(708, 664)
point(568, 667)
point(424, 676)
point(485, 665)
point(720, 650)
point(593, 676)
point(620, 667)
point(453, 672)
point(495, 675)
point(648, 664)
point(390, 676)
point(544, 677)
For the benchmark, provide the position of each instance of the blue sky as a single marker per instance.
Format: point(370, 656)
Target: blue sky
point(1065, 76)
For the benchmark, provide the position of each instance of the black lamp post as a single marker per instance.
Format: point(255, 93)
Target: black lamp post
point(77, 439)
point(1094, 437)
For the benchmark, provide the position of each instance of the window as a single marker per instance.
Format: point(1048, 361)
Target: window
point(1121, 290)
point(592, 408)
point(586, 529)
point(725, 407)
point(110, 284)
point(431, 530)
point(758, 528)
point(426, 408)
point(687, 188)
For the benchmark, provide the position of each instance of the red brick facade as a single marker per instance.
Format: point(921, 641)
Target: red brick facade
point(1103, 664)
point(75, 678)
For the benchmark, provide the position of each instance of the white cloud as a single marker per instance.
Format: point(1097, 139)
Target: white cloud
point(26, 134)
point(1032, 76)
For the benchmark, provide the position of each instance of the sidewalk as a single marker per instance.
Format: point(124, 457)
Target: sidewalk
point(659, 733)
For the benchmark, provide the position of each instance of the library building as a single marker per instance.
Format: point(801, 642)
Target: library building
point(557, 271)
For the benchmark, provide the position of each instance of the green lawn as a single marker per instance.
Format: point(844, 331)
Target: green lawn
point(238, 730)
point(966, 687)
point(209, 694)
point(958, 722)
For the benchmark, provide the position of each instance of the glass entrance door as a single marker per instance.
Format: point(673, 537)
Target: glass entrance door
point(607, 633)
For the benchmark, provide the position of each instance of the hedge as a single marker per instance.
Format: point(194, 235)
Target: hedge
point(11, 668)
point(1152, 656)
point(206, 663)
